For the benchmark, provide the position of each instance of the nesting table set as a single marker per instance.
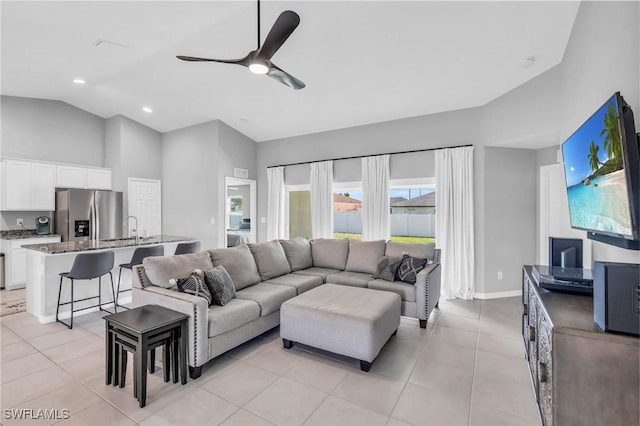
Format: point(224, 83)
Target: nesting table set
point(140, 331)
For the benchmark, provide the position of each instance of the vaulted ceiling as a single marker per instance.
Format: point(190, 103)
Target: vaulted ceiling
point(362, 61)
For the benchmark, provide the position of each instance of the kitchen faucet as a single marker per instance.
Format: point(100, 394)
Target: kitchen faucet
point(135, 229)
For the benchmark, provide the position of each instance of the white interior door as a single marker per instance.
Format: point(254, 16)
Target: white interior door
point(145, 204)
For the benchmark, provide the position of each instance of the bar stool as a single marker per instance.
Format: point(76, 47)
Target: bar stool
point(138, 256)
point(185, 248)
point(87, 266)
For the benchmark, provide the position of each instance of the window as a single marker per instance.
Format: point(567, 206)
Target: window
point(234, 211)
point(347, 210)
point(413, 210)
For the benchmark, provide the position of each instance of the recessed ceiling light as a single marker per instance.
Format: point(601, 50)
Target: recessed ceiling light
point(79, 81)
point(147, 110)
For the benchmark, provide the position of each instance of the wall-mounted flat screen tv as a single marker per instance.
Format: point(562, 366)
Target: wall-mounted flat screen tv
point(601, 170)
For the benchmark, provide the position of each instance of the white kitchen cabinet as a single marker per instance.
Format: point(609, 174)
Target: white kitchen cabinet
point(99, 178)
point(71, 177)
point(43, 186)
point(28, 186)
point(15, 257)
point(17, 185)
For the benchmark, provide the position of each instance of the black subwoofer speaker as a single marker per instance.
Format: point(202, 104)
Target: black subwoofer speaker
point(616, 297)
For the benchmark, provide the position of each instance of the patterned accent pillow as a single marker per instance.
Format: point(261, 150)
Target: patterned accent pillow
point(194, 284)
point(220, 284)
point(387, 267)
point(409, 269)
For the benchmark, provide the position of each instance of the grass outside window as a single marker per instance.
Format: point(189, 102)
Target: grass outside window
point(400, 239)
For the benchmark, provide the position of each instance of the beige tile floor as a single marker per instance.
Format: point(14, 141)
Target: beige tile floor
point(466, 368)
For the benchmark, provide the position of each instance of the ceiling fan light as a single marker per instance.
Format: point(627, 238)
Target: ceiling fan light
point(258, 68)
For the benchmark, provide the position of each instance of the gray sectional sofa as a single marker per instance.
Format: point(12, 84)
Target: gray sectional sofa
point(267, 274)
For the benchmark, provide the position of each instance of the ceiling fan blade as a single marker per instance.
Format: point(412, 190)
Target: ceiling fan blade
point(224, 61)
point(285, 78)
point(280, 32)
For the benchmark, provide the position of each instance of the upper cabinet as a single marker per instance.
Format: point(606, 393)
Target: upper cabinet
point(71, 177)
point(29, 185)
point(99, 178)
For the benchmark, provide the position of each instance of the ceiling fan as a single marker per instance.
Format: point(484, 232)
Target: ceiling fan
point(259, 61)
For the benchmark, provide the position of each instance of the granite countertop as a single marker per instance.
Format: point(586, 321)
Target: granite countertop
point(22, 234)
point(79, 246)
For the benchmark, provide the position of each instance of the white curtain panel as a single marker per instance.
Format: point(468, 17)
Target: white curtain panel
point(454, 221)
point(322, 199)
point(375, 198)
point(276, 226)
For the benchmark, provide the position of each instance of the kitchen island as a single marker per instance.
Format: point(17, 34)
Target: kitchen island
point(46, 261)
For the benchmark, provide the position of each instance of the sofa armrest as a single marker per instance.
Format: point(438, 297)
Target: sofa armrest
point(427, 290)
point(195, 307)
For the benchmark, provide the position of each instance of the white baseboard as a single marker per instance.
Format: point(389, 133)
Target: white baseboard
point(497, 294)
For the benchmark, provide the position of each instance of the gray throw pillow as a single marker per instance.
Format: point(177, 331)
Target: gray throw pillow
point(194, 284)
point(220, 284)
point(364, 255)
point(270, 259)
point(239, 263)
point(409, 269)
point(330, 253)
point(298, 252)
point(388, 267)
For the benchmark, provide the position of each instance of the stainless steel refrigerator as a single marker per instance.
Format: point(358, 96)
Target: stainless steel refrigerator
point(88, 214)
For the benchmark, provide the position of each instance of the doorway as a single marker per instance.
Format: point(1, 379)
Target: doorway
point(239, 224)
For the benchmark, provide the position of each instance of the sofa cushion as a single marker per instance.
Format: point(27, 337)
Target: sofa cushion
point(161, 269)
point(421, 251)
point(220, 285)
point(353, 279)
point(300, 282)
point(298, 252)
point(410, 268)
point(239, 263)
point(318, 272)
point(194, 284)
point(268, 296)
point(364, 255)
point(387, 267)
point(330, 253)
point(406, 291)
point(270, 259)
point(232, 315)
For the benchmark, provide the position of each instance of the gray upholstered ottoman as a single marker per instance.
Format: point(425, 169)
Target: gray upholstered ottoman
point(350, 321)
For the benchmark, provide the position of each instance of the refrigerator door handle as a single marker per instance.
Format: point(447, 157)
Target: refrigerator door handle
point(93, 220)
point(96, 212)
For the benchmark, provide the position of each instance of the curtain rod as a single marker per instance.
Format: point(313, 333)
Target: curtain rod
point(372, 155)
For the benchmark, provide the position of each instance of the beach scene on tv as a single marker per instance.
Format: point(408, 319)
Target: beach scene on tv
point(594, 171)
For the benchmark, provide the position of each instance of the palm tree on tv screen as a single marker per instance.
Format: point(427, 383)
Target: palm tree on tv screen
point(611, 133)
point(594, 162)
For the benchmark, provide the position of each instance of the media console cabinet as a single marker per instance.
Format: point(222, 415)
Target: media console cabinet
point(581, 375)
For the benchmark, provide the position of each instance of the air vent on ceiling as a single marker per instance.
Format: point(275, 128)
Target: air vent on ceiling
point(241, 173)
point(103, 42)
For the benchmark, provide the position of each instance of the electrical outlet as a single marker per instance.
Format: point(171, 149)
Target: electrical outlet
point(20, 221)
point(499, 275)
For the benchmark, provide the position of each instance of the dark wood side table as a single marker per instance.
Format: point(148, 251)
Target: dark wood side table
point(141, 326)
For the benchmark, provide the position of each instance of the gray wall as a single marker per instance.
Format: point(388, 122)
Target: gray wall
point(195, 161)
point(190, 190)
point(41, 129)
point(602, 57)
point(510, 216)
point(131, 150)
